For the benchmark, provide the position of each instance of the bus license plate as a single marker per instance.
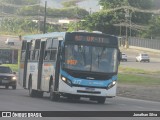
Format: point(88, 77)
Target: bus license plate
point(90, 89)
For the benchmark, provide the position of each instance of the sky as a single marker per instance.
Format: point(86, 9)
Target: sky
point(87, 4)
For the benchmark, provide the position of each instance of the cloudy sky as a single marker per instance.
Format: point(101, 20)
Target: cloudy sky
point(87, 4)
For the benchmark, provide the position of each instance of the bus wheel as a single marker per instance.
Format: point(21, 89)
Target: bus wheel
point(14, 87)
point(39, 94)
point(32, 93)
point(53, 96)
point(101, 100)
point(6, 86)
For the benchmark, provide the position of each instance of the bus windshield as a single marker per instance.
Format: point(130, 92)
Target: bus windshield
point(91, 58)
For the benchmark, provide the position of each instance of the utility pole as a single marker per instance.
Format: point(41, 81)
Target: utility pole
point(90, 11)
point(77, 17)
point(126, 16)
point(44, 28)
point(130, 15)
point(38, 18)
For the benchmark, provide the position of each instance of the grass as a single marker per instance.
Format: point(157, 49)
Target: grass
point(136, 71)
point(14, 67)
point(137, 79)
point(138, 76)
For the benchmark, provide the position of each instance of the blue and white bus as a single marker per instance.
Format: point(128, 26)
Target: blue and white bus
point(70, 64)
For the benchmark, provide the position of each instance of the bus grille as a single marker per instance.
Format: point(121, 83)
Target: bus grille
point(92, 92)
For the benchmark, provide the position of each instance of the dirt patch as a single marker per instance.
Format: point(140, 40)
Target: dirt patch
point(151, 93)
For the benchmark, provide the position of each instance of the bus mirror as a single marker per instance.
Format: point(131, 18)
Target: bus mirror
point(119, 56)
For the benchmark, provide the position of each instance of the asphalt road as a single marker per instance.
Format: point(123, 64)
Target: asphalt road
point(18, 100)
point(17, 43)
point(153, 65)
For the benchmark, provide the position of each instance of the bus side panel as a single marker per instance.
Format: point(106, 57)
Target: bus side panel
point(48, 71)
point(33, 72)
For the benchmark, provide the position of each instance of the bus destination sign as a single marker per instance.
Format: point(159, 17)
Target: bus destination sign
point(92, 39)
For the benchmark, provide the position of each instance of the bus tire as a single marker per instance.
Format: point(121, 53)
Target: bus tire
point(6, 86)
point(39, 94)
point(53, 96)
point(14, 87)
point(32, 93)
point(101, 100)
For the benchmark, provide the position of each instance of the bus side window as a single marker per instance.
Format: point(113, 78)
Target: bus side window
point(23, 55)
point(37, 55)
point(47, 55)
point(32, 55)
point(55, 43)
point(49, 43)
point(53, 55)
point(37, 44)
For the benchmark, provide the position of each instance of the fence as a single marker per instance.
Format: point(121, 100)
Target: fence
point(146, 43)
point(140, 42)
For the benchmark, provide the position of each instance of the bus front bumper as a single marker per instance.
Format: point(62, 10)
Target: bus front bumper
point(87, 91)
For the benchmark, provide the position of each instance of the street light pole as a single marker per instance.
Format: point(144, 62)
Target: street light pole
point(45, 12)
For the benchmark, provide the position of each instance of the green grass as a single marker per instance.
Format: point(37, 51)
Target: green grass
point(136, 71)
point(14, 67)
point(137, 79)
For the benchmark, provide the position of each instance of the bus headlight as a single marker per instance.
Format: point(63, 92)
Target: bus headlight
point(111, 85)
point(14, 78)
point(64, 79)
point(68, 82)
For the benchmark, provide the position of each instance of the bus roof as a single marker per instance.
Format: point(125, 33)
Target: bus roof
point(55, 34)
point(40, 36)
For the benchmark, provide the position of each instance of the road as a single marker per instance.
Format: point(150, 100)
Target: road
point(18, 100)
point(131, 63)
point(17, 43)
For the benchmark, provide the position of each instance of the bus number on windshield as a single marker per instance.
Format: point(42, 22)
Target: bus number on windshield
point(71, 62)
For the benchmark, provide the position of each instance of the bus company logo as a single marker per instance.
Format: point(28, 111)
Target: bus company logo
point(6, 114)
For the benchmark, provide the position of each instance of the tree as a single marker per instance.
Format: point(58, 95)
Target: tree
point(106, 19)
point(153, 28)
point(71, 3)
point(24, 11)
point(108, 4)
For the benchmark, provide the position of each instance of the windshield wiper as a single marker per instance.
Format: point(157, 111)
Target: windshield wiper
point(98, 60)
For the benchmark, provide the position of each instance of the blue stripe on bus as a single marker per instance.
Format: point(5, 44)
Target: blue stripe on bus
point(89, 83)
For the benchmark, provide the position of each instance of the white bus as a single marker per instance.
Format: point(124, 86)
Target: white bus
point(70, 64)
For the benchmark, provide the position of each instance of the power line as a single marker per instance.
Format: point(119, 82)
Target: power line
point(133, 26)
point(133, 9)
